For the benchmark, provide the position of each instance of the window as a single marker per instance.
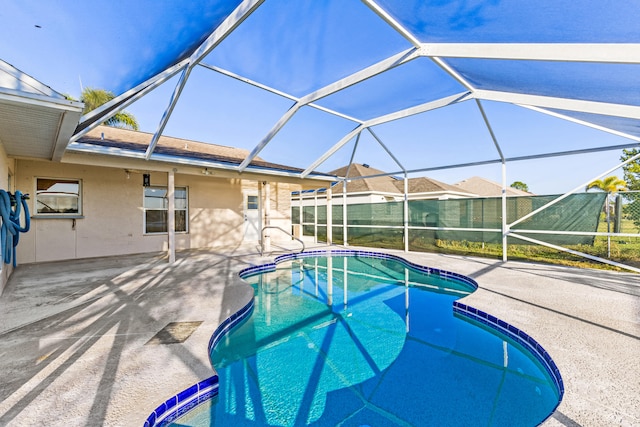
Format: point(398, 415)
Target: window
point(156, 207)
point(252, 202)
point(58, 196)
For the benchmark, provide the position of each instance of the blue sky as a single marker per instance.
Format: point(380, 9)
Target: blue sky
point(63, 46)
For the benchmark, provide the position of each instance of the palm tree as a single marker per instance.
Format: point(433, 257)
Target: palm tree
point(611, 184)
point(94, 98)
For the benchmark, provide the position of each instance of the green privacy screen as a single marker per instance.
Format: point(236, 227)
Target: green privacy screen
point(577, 212)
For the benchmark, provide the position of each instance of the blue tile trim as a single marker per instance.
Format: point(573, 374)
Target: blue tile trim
point(362, 254)
point(520, 337)
point(205, 390)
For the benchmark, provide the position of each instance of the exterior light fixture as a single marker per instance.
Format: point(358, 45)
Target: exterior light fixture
point(146, 180)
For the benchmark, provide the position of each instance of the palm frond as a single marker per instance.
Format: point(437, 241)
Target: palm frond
point(94, 98)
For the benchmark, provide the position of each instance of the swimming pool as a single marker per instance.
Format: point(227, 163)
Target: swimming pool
point(368, 339)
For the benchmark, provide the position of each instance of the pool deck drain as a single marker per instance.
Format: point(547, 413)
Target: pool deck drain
point(174, 333)
point(73, 334)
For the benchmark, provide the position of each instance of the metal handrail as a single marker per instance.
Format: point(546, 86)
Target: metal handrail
point(277, 228)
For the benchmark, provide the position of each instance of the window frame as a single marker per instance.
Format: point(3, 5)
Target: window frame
point(80, 198)
point(164, 209)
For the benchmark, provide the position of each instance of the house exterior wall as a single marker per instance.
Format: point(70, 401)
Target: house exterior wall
point(280, 215)
point(112, 221)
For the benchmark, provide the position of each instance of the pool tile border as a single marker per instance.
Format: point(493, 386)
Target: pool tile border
point(207, 389)
point(517, 335)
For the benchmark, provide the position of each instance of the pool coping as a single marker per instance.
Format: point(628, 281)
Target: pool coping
point(205, 390)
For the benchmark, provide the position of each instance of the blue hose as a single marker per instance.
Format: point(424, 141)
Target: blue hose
point(10, 231)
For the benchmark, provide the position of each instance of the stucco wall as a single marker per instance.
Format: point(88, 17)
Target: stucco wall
point(112, 222)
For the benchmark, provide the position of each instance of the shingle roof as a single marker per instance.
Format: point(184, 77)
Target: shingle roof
point(427, 185)
point(487, 188)
point(390, 184)
point(125, 139)
point(382, 184)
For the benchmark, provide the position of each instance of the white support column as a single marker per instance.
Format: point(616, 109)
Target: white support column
point(344, 213)
point(329, 216)
point(300, 216)
point(406, 213)
point(505, 229)
point(315, 216)
point(260, 216)
point(171, 215)
point(267, 219)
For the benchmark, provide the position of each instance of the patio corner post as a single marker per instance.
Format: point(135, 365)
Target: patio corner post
point(505, 228)
point(405, 209)
point(329, 216)
point(267, 218)
point(171, 215)
point(300, 219)
point(260, 216)
point(344, 213)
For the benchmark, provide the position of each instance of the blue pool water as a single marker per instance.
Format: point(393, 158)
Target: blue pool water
point(355, 341)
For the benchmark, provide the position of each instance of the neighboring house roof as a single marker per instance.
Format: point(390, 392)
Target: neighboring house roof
point(429, 185)
point(390, 184)
point(487, 188)
point(137, 142)
point(380, 184)
point(472, 187)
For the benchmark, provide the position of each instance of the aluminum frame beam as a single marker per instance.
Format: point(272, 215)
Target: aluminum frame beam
point(567, 194)
point(503, 225)
point(272, 133)
point(167, 113)
point(594, 107)
point(617, 53)
point(508, 159)
point(392, 22)
point(580, 122)
point(275, 91)
point(242, 12)
point(385, 119)
point(395, 159)
point(334, 87)
point(125, 99)
point(571, 251)
point(345, 139)
point(418, 109)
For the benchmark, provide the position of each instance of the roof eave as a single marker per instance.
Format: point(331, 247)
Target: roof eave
point(76, 147)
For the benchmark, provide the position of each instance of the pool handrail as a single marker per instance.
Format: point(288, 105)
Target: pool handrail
point(281, 229)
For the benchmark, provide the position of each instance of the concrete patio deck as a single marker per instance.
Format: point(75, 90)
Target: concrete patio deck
point(75, 351)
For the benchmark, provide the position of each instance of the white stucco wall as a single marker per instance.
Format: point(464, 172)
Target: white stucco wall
point(113, 224)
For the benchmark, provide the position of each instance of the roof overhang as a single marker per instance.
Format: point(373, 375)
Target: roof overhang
point(129, 160)
point(36, 122)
